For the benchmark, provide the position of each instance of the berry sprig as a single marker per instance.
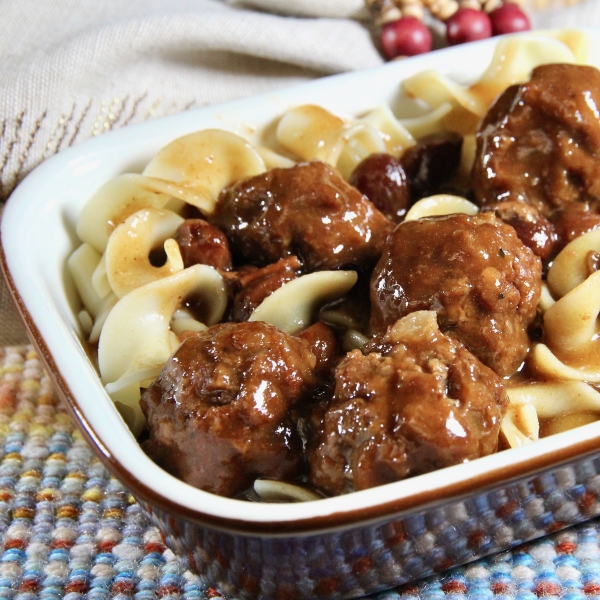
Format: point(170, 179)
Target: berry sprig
point(403, 32)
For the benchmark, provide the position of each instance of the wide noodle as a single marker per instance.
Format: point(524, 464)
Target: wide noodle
point(136, 312)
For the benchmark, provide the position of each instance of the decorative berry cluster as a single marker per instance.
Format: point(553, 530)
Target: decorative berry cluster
point(403, 32)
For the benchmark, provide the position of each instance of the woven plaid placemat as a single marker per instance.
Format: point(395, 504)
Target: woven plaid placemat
point(70, 530)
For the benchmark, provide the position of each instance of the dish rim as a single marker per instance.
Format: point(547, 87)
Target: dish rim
point(207, 509)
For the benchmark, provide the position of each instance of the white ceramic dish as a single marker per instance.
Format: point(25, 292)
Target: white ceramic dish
point(333, 548)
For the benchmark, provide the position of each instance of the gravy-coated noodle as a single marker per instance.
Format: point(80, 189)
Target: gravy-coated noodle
point(86, 321)
point(136, 339)
point(546, 299)
point(205, 162)
point(467, 157)
point(183, 320)
point(514, 59)
point(569, 269)
point(428, 123)
point(395, 135)
point(274, 160)
point(354, 339)
point(440, 204)
point(568, 421)
point(313, 133)
point(546, 364)
point(571, 334)
point(110, 301)
point(340, 319)
point(553, 398)
point(360, 140)
point(438, 90)
point(520, 425)
point(571, 325)
point(115, 201)
point(127, 401)
point(562, 404)
point(127, 256)
point(270, 490)
point(294, 306)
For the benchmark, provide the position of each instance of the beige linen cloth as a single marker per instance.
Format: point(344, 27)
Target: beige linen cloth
point(72, 69)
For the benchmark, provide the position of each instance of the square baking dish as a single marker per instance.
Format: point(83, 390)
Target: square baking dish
point(340, 547)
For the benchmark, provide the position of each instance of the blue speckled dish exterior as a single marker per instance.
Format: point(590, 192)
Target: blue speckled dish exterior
point(390, 552)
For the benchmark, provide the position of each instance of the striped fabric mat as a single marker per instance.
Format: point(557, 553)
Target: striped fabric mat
point(69, 530)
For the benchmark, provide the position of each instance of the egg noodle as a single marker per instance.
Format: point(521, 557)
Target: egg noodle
point(134, 310)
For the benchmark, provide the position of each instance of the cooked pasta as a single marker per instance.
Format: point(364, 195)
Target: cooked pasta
point(83, 265)
point(294, 306)
point(553, 398)
point(571, 323)
point(440, 204)
point(396, 135)
point(570, 268)
point(127, 255)
point(116, 200)
point(520, 425)
point(201, 164)
point(311, 132)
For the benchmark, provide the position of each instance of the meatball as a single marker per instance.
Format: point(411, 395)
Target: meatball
point(307, 210)
point(219, 412)
point(474, 271)
point(416, 402)
point(540, 142)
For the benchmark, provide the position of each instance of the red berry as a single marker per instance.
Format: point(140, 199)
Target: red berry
point(405, 37)
point(509, 18)
point(468, 25)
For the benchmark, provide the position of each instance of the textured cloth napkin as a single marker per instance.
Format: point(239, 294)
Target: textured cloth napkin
point(72, 69)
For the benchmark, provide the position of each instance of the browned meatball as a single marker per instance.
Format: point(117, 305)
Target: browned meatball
point(416, 402)
point(540, 142)
point(483, 282)
point(202, 244)
point(307, 210)
point(219, 413)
